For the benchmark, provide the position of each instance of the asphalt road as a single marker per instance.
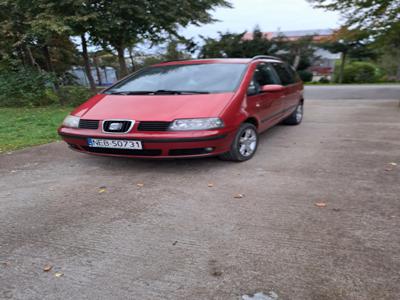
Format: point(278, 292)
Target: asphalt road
point(174, 237)
point(365, 91)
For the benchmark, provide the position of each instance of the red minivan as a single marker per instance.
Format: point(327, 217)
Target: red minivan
point(192, 108)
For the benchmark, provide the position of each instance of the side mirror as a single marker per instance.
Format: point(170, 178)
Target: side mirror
point(252, 89)
point(272, 88)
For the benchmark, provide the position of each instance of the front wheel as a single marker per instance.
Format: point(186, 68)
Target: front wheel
point(295, 117)
point(244, 145)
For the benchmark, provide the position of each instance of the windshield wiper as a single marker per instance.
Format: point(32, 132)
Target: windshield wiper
point(172, 92)
point(131, 93)
point(157, 92)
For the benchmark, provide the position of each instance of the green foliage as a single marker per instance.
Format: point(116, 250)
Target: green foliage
point(122, 23)
point(75, 95)
point(388, 46)
point(360, 72)
point(25, 87)
point(324, 80)
point(235, 46)
point(306, 76)
point(23, 127)
point(299, 53)
point(371, 15)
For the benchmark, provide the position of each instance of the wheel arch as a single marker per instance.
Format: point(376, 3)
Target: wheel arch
point(252, 120)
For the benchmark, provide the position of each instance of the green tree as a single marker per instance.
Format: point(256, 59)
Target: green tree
point(299, 52)
point(345, 41)
point(125, 22)
point(388, 46)
point(77, 17)
point(375, 15)
point(236, 46)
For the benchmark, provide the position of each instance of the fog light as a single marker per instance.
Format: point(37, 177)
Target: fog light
point(209, 149)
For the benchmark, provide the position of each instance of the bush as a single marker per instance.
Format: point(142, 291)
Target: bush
point(359, 72)
point(25, 87)
point(75, 95)
point(306, 76)
point(324, 80)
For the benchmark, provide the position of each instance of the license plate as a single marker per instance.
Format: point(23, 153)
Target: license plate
point(116, 144)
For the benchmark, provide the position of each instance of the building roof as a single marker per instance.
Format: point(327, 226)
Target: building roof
point(295, 34)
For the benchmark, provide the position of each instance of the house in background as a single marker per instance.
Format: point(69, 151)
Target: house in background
point(324, 65)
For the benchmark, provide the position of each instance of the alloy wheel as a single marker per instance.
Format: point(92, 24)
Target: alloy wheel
point(247, 142)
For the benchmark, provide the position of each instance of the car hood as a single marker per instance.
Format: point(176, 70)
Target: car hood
point(153, 107)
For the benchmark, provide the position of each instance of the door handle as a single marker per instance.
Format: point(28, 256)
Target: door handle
point(258, 104)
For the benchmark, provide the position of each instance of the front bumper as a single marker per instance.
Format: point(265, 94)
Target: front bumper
point(155, 145)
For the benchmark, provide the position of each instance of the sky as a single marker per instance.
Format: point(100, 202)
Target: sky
point(270, 15)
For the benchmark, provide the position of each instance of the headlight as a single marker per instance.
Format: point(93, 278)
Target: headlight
point(196, 124)
point(71, 121)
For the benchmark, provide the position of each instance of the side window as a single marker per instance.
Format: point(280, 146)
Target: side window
point(284, 74)
point(263, 75)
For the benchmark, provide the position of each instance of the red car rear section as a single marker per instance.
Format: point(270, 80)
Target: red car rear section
point(148, 117)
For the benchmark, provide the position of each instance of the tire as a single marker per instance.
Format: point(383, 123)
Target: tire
point(295, 117)
point(244, 145)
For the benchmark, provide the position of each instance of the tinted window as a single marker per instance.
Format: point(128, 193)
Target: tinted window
point(284, 74)
point(263, 75)
point(293, 73)
point(212, 78)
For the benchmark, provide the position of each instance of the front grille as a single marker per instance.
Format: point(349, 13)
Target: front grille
point(153, 126)
point(125, 126)
point(89, 124)
point(144, 152)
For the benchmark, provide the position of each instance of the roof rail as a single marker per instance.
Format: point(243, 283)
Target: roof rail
point(265, 57)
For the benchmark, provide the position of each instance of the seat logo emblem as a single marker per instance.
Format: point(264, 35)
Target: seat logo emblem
point(115, 126)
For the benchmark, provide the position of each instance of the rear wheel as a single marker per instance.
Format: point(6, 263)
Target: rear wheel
point(244, 145)
point(295, 117)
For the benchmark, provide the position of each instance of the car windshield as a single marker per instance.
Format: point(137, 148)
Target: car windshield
point(180, 79)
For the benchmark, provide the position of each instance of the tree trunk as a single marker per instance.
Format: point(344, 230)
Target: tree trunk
point(47, 57)
point(86, 63)
point(96, 65)
point(342, 64)
point(123, 69)
point(50, 68)
point(105, 73)
point(131, 58)
point(21, 55)
point(31, 59)
point(296, 61)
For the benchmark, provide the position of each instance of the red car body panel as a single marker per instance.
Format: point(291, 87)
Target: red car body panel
point(157, 107)
point(264, 110)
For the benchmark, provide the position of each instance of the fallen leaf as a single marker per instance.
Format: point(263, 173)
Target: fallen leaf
point(393, 164)
point(238, 196)
point(140, 184)
point(210, 185)
point(102, 189)
point(58, 274)
point(320, 204)
point(47, 268)
point(388, 169)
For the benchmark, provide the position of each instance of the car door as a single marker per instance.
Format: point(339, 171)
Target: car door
point(288, 80)
point(267, 105)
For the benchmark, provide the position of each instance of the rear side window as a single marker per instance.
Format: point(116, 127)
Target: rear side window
point(286, 74)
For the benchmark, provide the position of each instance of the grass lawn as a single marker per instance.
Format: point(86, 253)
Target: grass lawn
point(24, 127)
